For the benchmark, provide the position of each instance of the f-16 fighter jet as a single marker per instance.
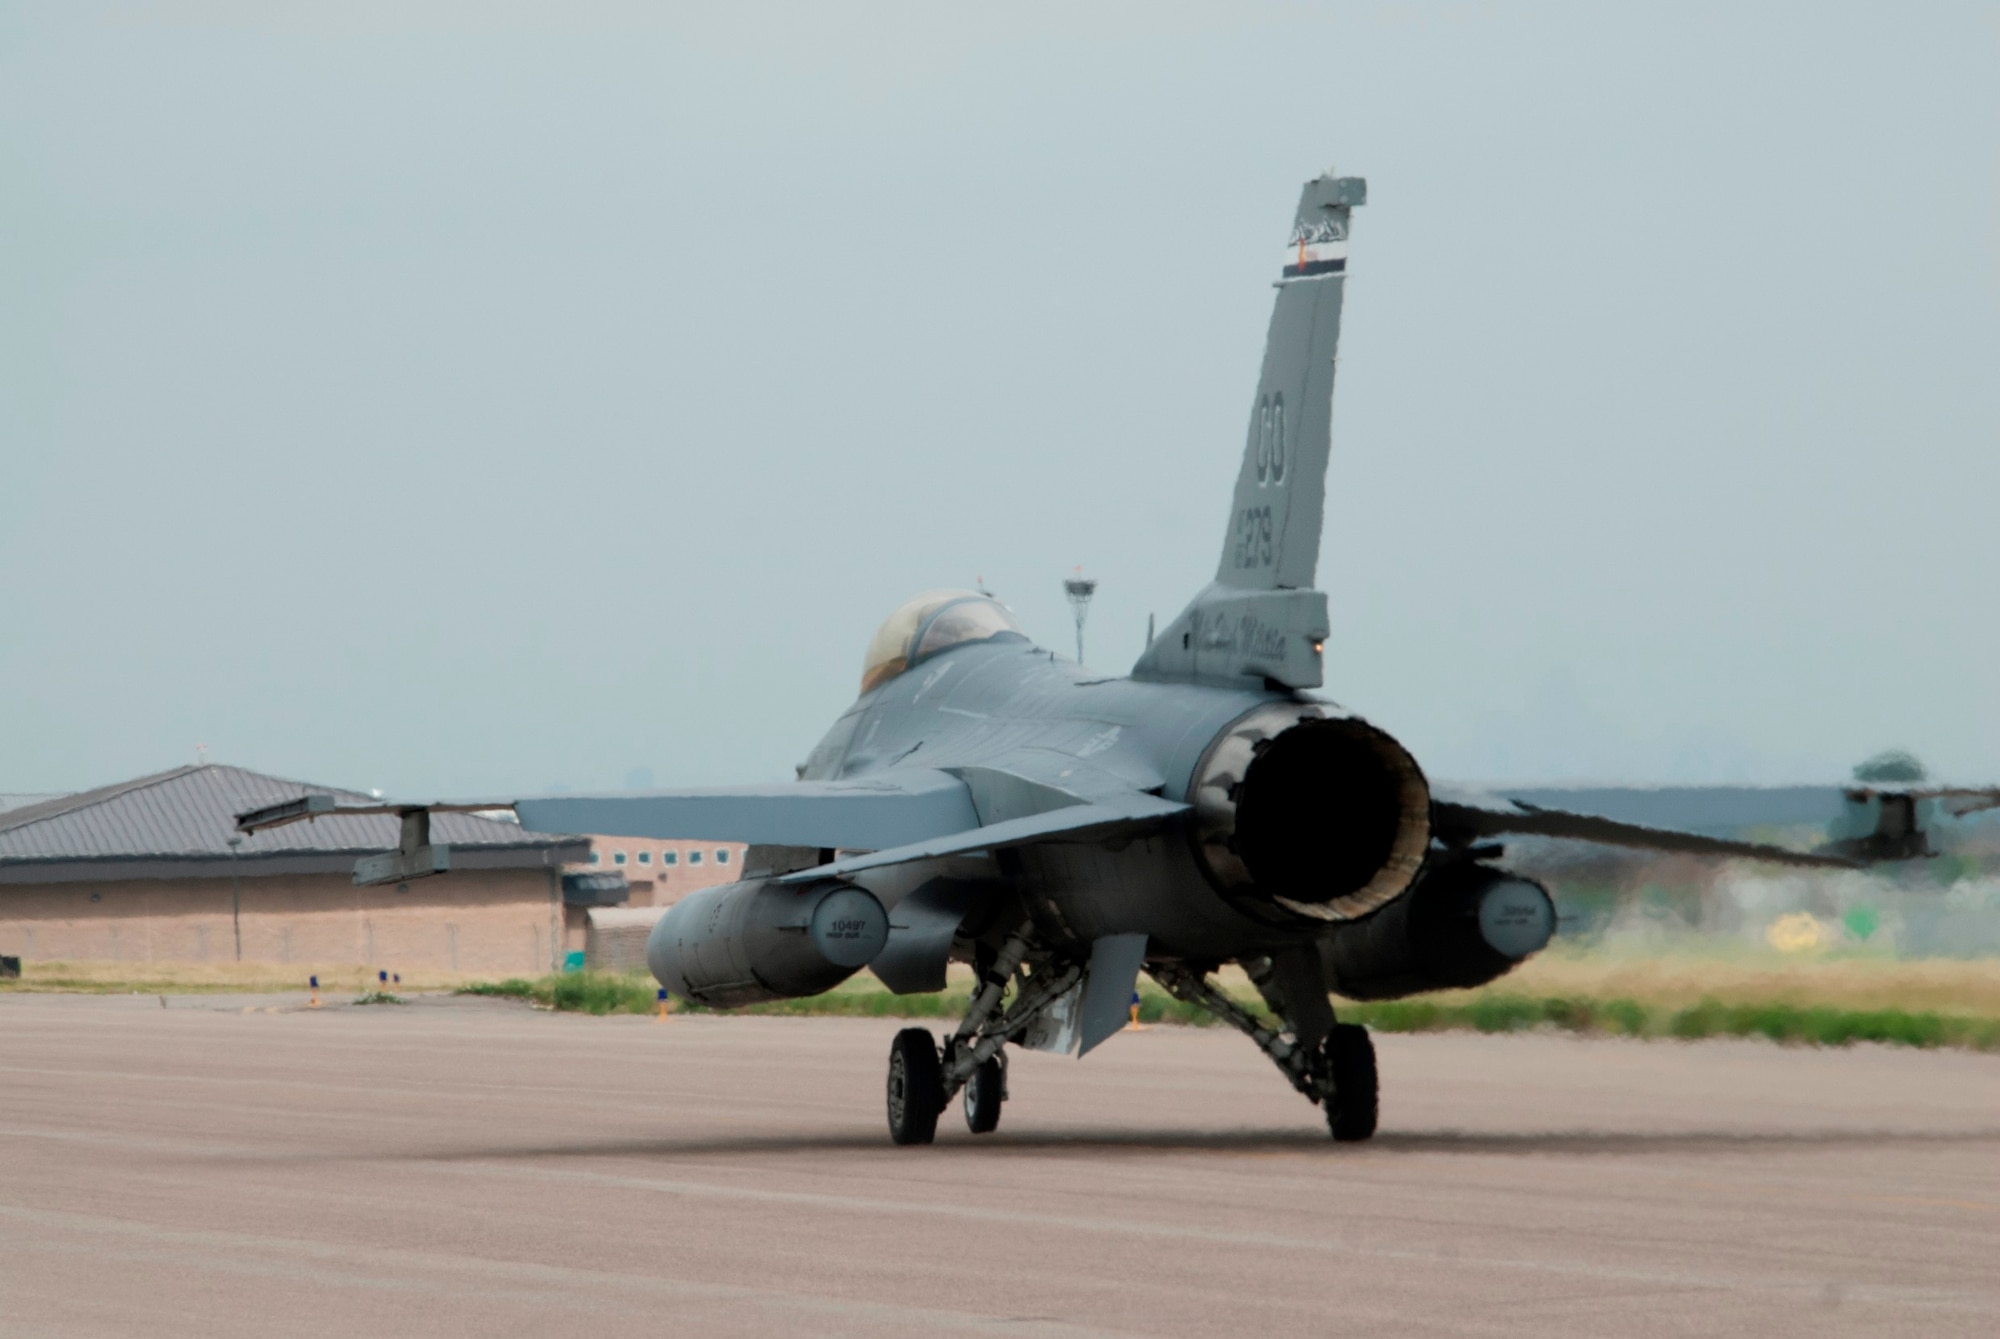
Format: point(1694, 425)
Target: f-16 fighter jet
point(987, 801)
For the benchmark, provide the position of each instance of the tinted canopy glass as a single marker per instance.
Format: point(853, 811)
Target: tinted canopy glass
point(928, 624)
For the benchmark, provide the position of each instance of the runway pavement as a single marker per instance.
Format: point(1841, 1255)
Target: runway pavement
point(462, 1167)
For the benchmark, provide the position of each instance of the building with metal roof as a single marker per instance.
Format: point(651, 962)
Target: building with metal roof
point(153, 869)
point(182, 823)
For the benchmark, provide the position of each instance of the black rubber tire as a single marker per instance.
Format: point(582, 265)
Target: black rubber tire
point(983, 1094)
point(1352, 1111)
point(916, 1087)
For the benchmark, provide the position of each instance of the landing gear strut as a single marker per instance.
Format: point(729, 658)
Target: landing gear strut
point(1337, 1073)
point(922, 1081)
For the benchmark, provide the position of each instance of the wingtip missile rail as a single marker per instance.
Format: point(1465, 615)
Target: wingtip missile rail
point(285, 811)
point(415, 856)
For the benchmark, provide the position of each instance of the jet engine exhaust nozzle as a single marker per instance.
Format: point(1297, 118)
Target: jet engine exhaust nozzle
point(1318, 817)
point(746, 943)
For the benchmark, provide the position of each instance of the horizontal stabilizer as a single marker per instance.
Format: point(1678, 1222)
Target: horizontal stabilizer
point(1127, 815)
point(1457, 822)
point(865, 813)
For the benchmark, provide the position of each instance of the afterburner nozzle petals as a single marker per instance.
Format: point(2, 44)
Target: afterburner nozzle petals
point(1315, 815)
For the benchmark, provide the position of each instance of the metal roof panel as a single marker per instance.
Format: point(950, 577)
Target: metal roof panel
point(191, 811)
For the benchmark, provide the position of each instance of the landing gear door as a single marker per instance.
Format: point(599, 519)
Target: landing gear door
point(1115, 961)
point(1054, 1029)
point(1095, 1007)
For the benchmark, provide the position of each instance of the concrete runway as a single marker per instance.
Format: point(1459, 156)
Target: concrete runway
point(476, 1167)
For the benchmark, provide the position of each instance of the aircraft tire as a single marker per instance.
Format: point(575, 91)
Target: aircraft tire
point(916, 1087)
point(983, 1092)
point(1352, 1113)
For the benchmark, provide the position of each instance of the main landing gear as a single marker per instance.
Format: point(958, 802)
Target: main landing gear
point(917, 1092)
point(923, 1078)
point(1330, 1062)
point(1350, 1065)
point(1335, 1069)
point(984, 1092)
point(916, 1087)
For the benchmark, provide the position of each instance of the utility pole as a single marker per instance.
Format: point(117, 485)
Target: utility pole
point(555, 910)
point(236, 897)
point(1079, 588)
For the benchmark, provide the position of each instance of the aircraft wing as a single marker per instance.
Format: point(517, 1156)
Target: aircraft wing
point(914, 814)
point(864, 813)
point(1462, 821)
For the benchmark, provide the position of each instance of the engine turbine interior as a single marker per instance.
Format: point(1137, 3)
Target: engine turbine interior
point(1302, 815)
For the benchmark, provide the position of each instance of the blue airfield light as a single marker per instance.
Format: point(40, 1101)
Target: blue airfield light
point(313, 981)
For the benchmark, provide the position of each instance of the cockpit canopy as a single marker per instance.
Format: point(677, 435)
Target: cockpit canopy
point(930, 623)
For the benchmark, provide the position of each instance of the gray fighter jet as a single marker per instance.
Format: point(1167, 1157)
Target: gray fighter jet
point(987, 801)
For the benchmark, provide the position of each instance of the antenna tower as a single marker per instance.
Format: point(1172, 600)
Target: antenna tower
point(1079, 588)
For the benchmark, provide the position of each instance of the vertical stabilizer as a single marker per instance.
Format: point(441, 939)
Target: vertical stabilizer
point(1274, 523)
point(1261, 620)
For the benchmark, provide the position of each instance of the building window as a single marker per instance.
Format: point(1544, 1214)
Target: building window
point(722, 857)
point(593, 857)
point(617, 857)
point(645, 857)
point(694, 857)
point(670, 857)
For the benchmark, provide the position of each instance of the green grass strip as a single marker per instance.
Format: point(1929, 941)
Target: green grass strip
point(606, 993)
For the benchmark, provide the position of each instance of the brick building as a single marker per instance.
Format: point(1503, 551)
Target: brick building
point(661, 873)
point(153, 870)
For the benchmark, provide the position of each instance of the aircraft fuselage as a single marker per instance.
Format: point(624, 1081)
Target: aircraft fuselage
point(1009, 709)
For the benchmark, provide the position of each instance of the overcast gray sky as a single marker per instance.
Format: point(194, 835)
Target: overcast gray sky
point(456, 398)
